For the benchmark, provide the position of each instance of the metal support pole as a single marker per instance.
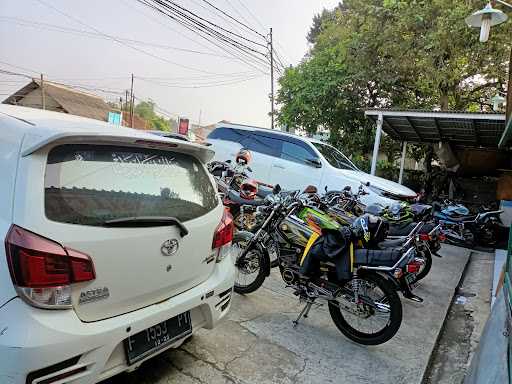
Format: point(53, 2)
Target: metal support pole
point(402, 162)
point(509, 88)
point(271, 81)
point(43, 96)
point(376, 145)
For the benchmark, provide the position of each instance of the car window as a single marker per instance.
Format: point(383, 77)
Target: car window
point(88, 184)
point(335, 157)
point(297, 153)
point(263, 144)
point(228, 134)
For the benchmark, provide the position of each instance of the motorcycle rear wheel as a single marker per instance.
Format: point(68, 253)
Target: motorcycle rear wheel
point(382, 335)
point(427, 258)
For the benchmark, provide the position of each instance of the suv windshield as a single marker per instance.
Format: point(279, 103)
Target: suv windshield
point(89, 185)
point(335, 157)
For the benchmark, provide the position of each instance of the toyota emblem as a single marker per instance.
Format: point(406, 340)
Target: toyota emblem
point(169, 247)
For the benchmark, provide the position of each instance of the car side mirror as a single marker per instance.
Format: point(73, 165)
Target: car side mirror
point(314, 162)
point(276, 189)
point(228, 161)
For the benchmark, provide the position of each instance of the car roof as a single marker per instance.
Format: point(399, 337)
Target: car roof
point(265, 130)
point(48, 126)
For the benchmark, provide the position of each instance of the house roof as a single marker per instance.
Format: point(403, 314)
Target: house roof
point(71, 100)
point(462, 129)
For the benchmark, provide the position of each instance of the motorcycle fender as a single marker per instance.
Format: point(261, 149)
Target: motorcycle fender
point(387, 277)
point(246, 235)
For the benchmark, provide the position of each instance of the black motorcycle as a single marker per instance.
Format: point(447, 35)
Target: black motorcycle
point(363, 304)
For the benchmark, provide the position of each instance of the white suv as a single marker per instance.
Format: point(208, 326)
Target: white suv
point(116, 247)
point(296, 162)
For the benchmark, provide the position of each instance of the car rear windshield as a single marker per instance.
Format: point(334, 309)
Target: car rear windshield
point(91, 184)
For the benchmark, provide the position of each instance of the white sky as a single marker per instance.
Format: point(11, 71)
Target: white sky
point(106, 64)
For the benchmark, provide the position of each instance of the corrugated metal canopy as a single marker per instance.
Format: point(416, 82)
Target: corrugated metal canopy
point(462, 129)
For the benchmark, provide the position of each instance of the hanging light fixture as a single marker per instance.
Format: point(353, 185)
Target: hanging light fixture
point(485, 19)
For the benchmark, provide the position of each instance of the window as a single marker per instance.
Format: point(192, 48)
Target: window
point(263, 144)
point(297, 153)
point(335, 157)
point(227, 134)
point(88, 184)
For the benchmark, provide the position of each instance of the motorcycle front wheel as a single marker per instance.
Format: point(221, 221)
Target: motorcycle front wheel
point(371, 319)
point(251, 271)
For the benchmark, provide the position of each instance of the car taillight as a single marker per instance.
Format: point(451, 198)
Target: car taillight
point(223, 236)
point(43, 270)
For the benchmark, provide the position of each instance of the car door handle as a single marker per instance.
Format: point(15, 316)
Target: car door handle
point(278, 166)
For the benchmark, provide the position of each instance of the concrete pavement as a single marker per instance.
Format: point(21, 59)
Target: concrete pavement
point(257, 344)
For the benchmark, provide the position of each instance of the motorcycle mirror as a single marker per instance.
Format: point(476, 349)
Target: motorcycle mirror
point(249, 169)
point(325, 189)
point(276, 189)
point(347, 188)
point(228, 161)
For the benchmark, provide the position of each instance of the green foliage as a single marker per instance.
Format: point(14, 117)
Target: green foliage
point(146, 110)
point(391, 53)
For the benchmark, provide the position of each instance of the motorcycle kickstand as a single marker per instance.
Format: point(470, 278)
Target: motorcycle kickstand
point(304, 313)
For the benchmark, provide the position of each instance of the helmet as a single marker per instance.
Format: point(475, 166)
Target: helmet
point(248, 189)
point(369, 229)
point(243, 156)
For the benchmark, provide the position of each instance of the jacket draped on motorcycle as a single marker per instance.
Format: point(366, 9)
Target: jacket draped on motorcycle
point(332, 246)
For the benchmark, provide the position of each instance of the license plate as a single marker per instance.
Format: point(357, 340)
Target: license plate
point(151, 340)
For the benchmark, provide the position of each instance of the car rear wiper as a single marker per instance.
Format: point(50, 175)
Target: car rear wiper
point(147, 221)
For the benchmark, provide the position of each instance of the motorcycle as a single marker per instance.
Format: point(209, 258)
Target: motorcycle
point(346, 206)
point(464, 229)
point(367, 294)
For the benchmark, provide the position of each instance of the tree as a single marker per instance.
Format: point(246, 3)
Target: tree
point(391, 53)
point(146, 110)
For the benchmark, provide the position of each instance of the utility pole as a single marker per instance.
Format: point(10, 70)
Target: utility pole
point(509, 89)
point(271, 81)
point(131, 106)
point(43, 97)
point(133, 109)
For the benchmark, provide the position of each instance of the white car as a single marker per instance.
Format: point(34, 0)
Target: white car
point(295, 162)
point(117, 247)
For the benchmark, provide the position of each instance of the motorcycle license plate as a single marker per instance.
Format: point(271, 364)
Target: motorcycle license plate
point(153, 339)
point(410, 279)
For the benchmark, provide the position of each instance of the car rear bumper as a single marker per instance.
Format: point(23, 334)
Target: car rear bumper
point(32, 339)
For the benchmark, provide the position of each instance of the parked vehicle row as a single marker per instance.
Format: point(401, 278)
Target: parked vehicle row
point(322, 243)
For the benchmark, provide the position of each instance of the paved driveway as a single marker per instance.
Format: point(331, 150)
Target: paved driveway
point(257, 344)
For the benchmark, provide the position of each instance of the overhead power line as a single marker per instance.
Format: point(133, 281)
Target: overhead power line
point(214, 38)
point(235, 20)
point(120, 41)
point(81, 32)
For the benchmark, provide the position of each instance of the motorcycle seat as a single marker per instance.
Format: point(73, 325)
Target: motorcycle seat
point(377, 257)
point(392, 243)
point(235, 197)
point(458, 219)
point(396, 229)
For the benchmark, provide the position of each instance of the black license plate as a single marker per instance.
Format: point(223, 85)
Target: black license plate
point(154, 338)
